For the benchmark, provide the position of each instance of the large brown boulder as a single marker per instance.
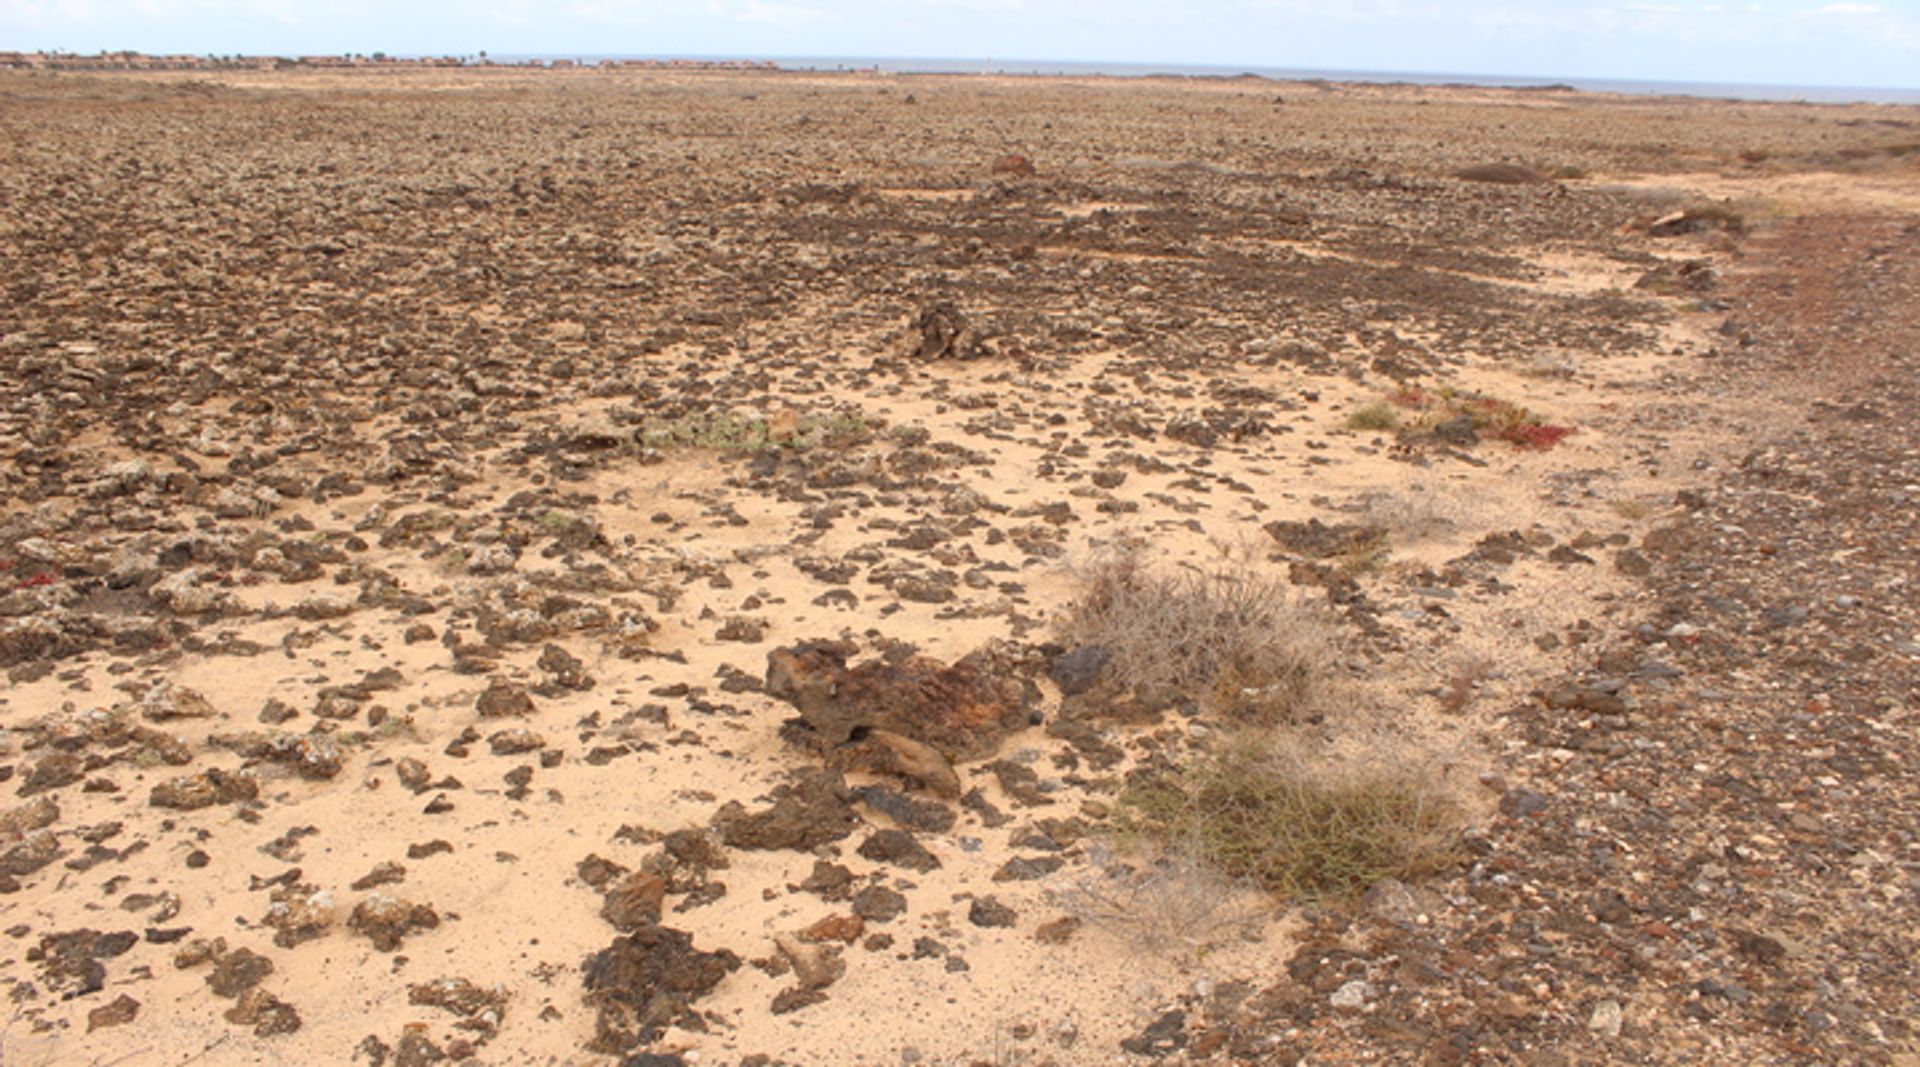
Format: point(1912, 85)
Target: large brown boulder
point(964, 710)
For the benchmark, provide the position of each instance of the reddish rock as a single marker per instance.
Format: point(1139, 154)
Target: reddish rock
point(1014, 165)
point(964, 710)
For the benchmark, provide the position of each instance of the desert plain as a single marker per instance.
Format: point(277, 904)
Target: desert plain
point(551, 567)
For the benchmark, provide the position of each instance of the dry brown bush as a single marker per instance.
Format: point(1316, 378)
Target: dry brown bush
point(1231, 637)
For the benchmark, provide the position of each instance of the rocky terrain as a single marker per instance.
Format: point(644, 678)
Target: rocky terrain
point(575, 567)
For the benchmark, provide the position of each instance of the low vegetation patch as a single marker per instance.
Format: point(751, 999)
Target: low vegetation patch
point(751, 433)
point(1467, 416)
point(1168, 904)
point(1377, 417)
point(1299, 832)
point(1232, 634)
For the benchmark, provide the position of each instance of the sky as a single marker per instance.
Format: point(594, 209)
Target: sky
point(1869, 43)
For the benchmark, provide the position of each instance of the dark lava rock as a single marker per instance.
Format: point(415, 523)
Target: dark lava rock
point(1317, 540)
point(645, 981)
point(123, 1010)
point(386, 921)
point(1632, 564)
point(1457, 431)
point(480, 1009)
point(1522, 803)
point(810, 809)
point(70, 962)
point(1500, 174)
point(917, 813)
point(595, 870)
point(1027, 868)
point(267, 1014)
point(792, 1000)
point(1020, 782)
point(52, 771)
point(204, 790)
point(878, 904)
point(564, 669)
point(964, 710)
point(989, 912)
point(635, 901)
point(946, 334)
point(1166, 1035)
point(1015, 165)
point(384, 873)
point(899, 848)
point(502, 699)
point(1076, 672)
point(238, 971)
point(829, 881)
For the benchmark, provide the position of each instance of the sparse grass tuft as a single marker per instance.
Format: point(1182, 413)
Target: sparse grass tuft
point(1233, 636)
point(737, 433)
point(1173, 903)
point(1378, 416)
point(1303, 834)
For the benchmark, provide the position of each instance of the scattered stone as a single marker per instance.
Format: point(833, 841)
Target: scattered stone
point(1057, 931)
point(299, 914)
point(515, 741)
point(235, 972)
point(989, 912)
point(878, 904)
point(122, 1011)
point(204, 790)
point(810, 809)
point(899, 847)
point(635, 901)
point(646, 981)
point(502, 699)
point(386, 921)
point(1165, 1036)
point(267, 1014)
point(1077, 671)
point(1500, 174)
point(480, 1010)
point(815, 964)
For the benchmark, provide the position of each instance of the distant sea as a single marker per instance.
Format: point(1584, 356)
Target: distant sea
point(1827, 94)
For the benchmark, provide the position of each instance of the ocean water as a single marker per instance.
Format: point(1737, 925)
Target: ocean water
point(1831, 94)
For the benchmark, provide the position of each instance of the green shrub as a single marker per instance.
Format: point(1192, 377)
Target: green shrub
point(1378, 416)
point(1296, 832)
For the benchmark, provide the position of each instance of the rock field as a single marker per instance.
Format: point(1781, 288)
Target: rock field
point(572, 567)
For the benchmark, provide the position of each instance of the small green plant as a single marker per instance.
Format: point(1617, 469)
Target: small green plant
point(1377, 417)
point(1299, 833)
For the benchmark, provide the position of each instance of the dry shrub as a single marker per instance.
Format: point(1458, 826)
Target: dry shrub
point(1251, 813)
point(1416, 510)
point(1232, 637)
point(1174, 902)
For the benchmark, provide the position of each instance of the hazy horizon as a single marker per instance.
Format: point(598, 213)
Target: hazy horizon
point(1813, 43)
